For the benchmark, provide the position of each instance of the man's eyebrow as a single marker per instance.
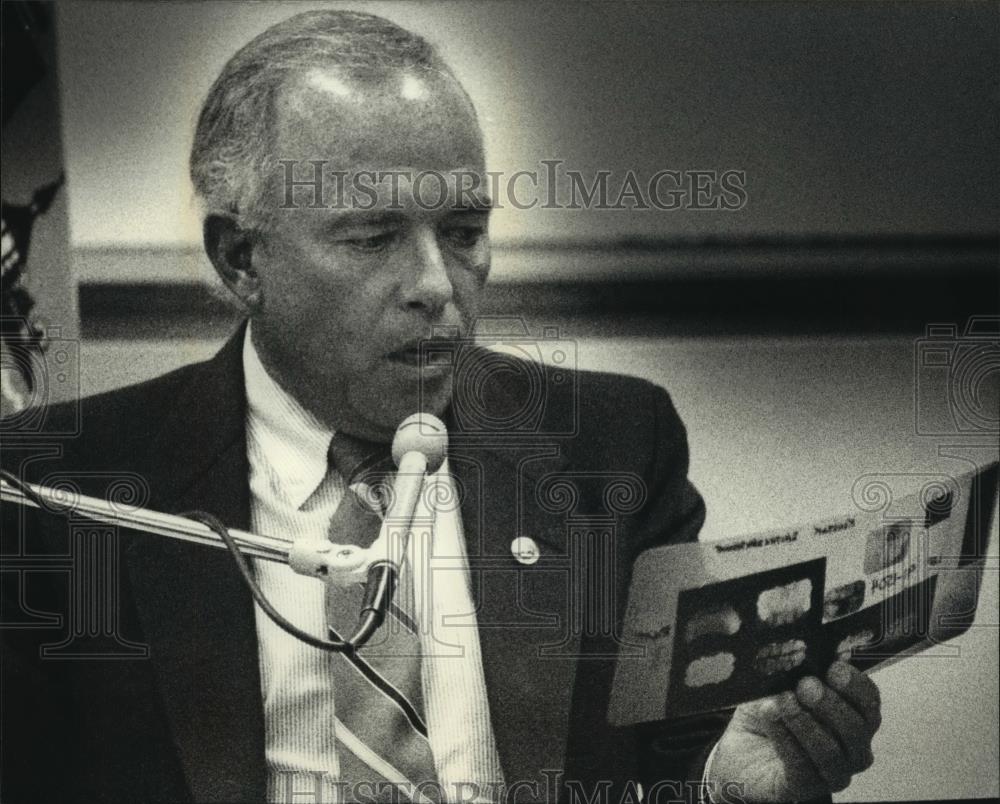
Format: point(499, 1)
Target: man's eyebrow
point(470, 201)
point(347, 219)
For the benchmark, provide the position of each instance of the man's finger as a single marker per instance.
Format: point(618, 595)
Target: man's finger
point(763, 716)
point(842, 720)
point(766, 717)
point(858, 690)
point(820, 747)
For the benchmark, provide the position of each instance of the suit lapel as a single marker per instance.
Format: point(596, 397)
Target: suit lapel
point(548, 656)
point(520, 607)
point(196, 614)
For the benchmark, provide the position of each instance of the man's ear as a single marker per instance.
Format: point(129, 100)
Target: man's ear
point(230, 248)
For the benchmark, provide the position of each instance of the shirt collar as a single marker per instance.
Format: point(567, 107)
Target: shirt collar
point(293, 442)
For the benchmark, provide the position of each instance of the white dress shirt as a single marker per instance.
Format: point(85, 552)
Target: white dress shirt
point(293, 495)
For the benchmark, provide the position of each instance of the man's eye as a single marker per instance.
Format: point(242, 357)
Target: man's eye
point(373, 243)
point(465, 236)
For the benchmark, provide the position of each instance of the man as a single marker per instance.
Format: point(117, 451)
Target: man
point(306, 157)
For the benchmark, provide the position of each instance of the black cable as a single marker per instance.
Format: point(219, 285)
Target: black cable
point(213, 523)
point(383, 686)
point(378, 593)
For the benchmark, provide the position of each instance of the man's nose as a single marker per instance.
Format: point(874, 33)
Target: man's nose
point(430, 288)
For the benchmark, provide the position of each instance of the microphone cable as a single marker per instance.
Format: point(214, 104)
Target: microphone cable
point(379, 589)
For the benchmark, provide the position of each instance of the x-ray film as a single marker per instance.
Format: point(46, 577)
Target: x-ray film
point(711, 625)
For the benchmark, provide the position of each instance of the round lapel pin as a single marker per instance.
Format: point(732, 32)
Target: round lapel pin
point(524, 549)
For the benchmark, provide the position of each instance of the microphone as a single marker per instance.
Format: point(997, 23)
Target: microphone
point(418, 449)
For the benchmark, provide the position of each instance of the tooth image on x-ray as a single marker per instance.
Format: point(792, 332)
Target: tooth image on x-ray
point(722, 621)
point(709, 669)
point(780, 657)
point(785, 604)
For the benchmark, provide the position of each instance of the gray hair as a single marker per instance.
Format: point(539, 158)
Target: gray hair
point(231, 155)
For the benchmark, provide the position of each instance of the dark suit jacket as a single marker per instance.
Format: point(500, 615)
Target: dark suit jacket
point(165, 703)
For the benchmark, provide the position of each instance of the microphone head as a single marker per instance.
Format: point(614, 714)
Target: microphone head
point(423, 433)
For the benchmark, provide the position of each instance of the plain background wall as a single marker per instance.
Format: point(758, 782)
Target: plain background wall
point(852, 119)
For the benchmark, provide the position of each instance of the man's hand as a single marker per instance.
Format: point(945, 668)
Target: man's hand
point(803, 744)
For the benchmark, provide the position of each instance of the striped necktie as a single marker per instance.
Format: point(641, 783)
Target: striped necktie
point(380, 742)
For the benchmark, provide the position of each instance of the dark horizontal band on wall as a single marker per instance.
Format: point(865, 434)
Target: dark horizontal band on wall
point(617, 259)
point(857, 303)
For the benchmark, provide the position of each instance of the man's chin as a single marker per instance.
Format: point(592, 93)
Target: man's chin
point(384, 409)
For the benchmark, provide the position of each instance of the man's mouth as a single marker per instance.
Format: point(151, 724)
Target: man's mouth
point(428, 359)
point(408, 356)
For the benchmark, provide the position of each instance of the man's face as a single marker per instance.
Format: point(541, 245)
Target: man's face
point(347, 292)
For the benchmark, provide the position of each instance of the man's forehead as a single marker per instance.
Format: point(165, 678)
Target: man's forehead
point(394, 117)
